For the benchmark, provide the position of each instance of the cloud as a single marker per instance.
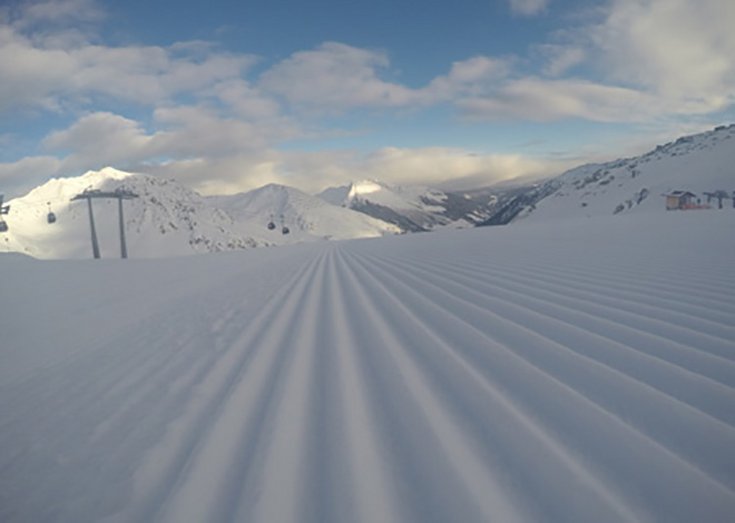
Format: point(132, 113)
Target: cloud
point(55, 12)
point(451, 167)
point(228, 174)
point(36, 75)
point(544, 100)
point(336, 76)
point(212, 121)
point(528, 7)
point(645, 61)
point(677, 49)
point(246, 100)
point(181, 133)
point(313, 171)
point(214, 154)
point(196, 131)
point(561, 58)
point(20, 176)
point(465, 77)
point(100, 139)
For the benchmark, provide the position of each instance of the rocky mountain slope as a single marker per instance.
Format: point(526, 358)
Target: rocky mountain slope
point(415, 209)
point(305, 216)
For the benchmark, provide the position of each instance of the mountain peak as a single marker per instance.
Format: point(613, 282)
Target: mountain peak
point(64, 188)
point(367, 186)
point(109, 173)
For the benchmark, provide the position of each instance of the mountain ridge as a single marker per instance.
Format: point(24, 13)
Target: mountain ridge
point(700, 163)
point(169, 219)
point(416, 208)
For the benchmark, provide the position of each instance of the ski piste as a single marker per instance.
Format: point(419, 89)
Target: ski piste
point(524, 373)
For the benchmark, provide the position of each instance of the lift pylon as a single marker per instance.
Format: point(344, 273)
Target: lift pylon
point(120, 194)
point(4, 209)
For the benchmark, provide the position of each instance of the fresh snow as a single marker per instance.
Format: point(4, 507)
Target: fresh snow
point(525, 373)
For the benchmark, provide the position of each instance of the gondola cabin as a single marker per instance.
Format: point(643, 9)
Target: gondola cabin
point(50, 217)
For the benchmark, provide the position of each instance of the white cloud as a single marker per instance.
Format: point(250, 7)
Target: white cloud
point(100, 139)
point(561, 58)
point(544, 100)
point(315, 170)
point(528, 7)
point(55, 12)
point(654, 60)
point(247, 101)
point(679, 49)
point(445, 166)
point(20, 176)
point(336, 76)
point(217, 155)
point(181, 133)
point(465, 77)
point(36, 75)
point(236, 172)
point(201, 131)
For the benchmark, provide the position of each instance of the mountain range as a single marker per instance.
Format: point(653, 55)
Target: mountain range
point(168, 219)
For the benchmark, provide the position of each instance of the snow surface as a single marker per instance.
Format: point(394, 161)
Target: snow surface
point(526, 373)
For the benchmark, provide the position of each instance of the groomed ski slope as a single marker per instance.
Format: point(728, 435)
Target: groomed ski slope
point(525, 373)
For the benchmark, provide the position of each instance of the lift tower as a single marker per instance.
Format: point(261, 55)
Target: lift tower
point(120, 194)
point(5, 209)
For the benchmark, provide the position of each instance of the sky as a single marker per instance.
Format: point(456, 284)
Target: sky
point(226, 96)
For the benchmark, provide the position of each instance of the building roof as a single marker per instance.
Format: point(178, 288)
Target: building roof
point(679, 194)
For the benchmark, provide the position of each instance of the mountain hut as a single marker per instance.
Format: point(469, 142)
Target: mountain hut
point(680, 200)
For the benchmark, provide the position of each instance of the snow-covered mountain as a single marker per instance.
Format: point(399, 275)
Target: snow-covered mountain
point(305, 216)
point(413, 209)
point(702, 164)
point(167, 219)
